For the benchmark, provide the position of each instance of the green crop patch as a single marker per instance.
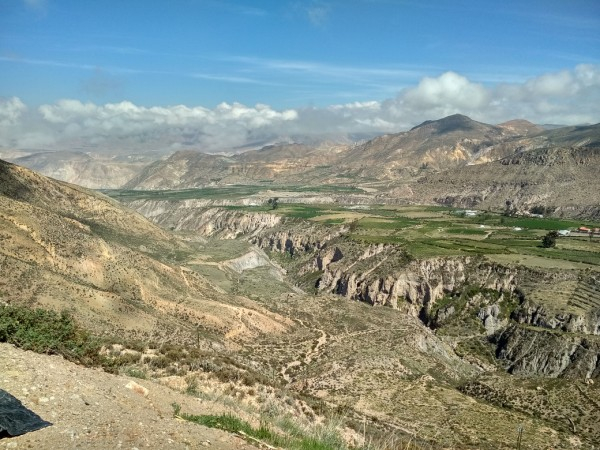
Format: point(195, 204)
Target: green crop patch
point(301, 211)
point(473, 231)
point(388, 224)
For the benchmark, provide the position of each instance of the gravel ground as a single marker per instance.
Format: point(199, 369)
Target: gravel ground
point(91, 409)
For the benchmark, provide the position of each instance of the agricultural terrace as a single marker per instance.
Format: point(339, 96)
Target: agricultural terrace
point(428, 231)
point(425, 231)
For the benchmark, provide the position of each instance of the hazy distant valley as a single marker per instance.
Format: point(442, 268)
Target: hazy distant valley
point(394, 290)
point(453, 161)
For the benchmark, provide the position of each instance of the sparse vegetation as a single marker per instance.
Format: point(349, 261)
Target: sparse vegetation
point(267, 353)
point(45, 331)
point(295, 439)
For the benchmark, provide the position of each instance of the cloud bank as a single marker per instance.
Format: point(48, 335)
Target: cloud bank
point(567, 97)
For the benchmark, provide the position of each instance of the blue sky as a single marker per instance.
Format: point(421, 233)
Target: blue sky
point(298, 55)
point(283, 53)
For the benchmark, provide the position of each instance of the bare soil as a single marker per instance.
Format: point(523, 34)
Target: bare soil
point(92, 409)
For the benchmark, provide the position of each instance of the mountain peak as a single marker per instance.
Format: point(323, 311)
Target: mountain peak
point(455, 122)
point(521, 126)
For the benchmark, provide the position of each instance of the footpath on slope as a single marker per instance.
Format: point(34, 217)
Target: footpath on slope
point(91, 409)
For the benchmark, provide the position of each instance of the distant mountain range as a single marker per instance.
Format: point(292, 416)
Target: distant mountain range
point(454, 160)
point(453, 141)
point(85, 169)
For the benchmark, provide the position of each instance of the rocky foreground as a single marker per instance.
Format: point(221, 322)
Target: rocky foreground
point(92, 409)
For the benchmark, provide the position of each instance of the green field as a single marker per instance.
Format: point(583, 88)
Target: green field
point(425, 231)
point(437, 231)
point(224, 192)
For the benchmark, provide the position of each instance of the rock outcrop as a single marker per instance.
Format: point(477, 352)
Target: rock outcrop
point(311, 238)
point(417, 286)
point(535, 351)
point(539, 316)
point(193, 215)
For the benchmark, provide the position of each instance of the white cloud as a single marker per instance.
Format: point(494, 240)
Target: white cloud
point(565, 97)
point(10, 111)
point(450, 90)
point(68, 120)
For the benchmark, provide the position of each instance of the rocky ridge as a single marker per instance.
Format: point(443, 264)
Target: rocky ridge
point(433, 146)
point(562, 178)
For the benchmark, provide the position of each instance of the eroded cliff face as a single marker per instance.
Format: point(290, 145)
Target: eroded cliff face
point(421, 283)
point(560, 177)
point(572, 306)
point(385, 275)
point(535, 351)
point(539, 316)
point(312, 238)
point(194, 215)
point(468, 295)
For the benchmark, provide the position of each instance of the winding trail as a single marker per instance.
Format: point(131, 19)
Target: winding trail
point(310, 355)
point(323, 340)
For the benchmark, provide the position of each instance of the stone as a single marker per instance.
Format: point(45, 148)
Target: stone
point(137, 388)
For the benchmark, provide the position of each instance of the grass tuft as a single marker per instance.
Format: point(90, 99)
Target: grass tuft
point(264, 433)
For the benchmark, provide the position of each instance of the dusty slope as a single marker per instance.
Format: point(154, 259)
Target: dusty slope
point(84, 169)
point(91, 409)
point(21, 184)
point(67, 248)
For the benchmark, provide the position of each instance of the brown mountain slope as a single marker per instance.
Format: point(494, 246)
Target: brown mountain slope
point(187, 169)
point(577, 136)
point(20, 184)
point(83, 169)
point(183, 169)
point(449, 142)
point(566, 178)
point(521, 126)
point(65, 247)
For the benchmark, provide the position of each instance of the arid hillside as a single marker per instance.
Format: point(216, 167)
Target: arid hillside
point(300, 324)
point(563, 179)
point(188, 169)
point(65, 247)
point(452, 161)
point(86, 169)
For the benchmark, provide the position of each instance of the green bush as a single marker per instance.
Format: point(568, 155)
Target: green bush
point(135, 372)
point(45, 331)
point(549, 240)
